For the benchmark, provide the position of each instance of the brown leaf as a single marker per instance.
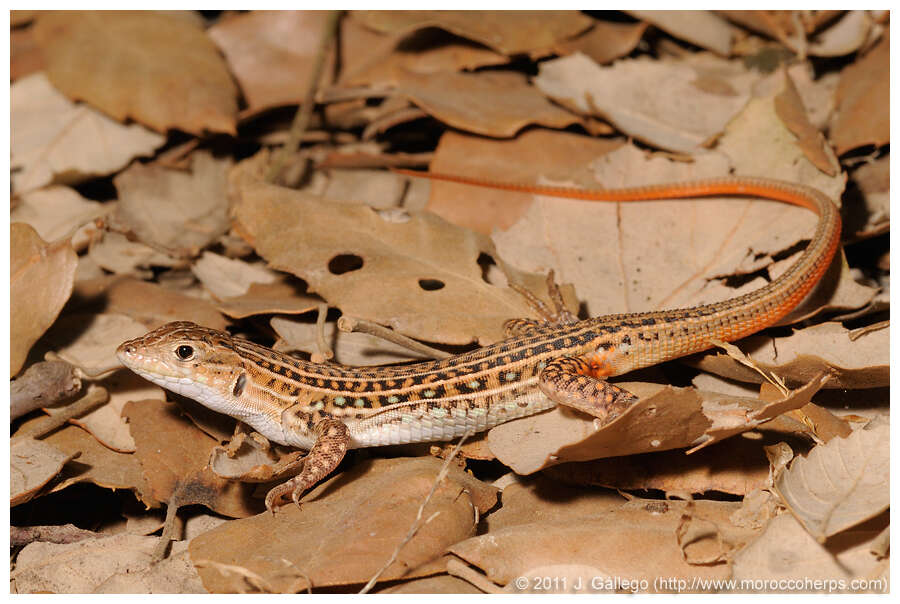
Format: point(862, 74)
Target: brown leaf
point(347, 252)
point(699, 27)
point(841, 483)
point(55, 140)
point(492, 103)
point(41, 279)
point(57, 212)
point(271, 54)
point(175, 455)
point(859, 363)
point(441, 584)
point(375, 59)
point(108, 564)
point(685, 111)
point(863, 101)
point(32, 464)
point(117, 254)
point(872, 217)
point(24, 55)
point(94, 463)
point(847, 34)
point(355, 520)
point(789, 107)
point(157, 69)
point(508, 32)
point(605, 42)
point(533, 157)
point(173, 210)
point(153, 305)
point(89, 341)
point(631, 542)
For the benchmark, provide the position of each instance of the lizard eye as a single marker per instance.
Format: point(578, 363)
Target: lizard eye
point(184, 352)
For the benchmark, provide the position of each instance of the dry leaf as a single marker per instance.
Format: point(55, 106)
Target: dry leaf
point(369, 264)
point(286, 296)
point(57, 212)
point(789, 107)
point(508, 32)
point(229, 277)
point(32, 464)
point(55, 140)
point(699, 27)
point(848, 34)
point(375, 59)
point(153, 305)
point(159, 70)
point(89, 342)
point(271, 54)
point(629, 546)
point(174, 456)
point(873, 216)
point(173, 210)
point(859, 363)
point(605, 42)
point(24, 55)
point(41, 280)
point(114, 564)
point(441, 584)
point(863, 101)
point(355, 520)
point(786, 552)
point(532, 157)
point(841, 483)
point(492, 103)
point(691, 104)
point(118, 255)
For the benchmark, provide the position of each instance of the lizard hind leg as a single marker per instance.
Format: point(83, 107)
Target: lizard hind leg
point(573, 382)
point(332, 442)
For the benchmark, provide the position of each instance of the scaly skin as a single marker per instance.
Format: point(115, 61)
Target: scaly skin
point(331, 408)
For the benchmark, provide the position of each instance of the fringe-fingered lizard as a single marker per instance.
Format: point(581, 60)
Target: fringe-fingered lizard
point(328, 408)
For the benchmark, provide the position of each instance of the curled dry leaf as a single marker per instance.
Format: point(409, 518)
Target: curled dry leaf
point(159, 70)
point(56, 212)
point(507, 32)
point(848, 34)
point(356, 520)
point(152, 305)
point(229, 277)
point(534, 156)
point(492, 103)
point(109, 564)
point(699, 27)
point(41, 279)
point(789, 107)
point(863, 101)
point(605, 42)
point(285, 296)
point(859, 363)
point(174, 210)
point(663, 418)
point(174, 456)
point(841, 483)
point(118, 255)
point(873, 216)
point(55, 140)
point(716, 89)
point(369, 263)
point(32, 464)
point(271, 54)
point(370, 58)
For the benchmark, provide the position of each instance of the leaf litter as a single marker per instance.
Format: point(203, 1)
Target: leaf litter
point(783, 481)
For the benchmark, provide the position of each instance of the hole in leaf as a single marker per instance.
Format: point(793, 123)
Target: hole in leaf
point(344, 263)
point(431, 285)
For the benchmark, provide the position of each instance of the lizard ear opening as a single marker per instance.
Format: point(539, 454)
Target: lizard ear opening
point(239, 385)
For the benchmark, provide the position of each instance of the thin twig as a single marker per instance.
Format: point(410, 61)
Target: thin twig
point(93, 398)
point(304, 112)
point(323, 350)
point(418, 524)
point(350, 324)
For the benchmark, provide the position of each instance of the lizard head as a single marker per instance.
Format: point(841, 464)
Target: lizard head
point(194, 361)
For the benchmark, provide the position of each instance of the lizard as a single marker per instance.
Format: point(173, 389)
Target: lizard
point(328, 409)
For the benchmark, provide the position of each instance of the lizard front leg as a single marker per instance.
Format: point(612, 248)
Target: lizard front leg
point(574, 382)
point(558, 315)
point(332, 442)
